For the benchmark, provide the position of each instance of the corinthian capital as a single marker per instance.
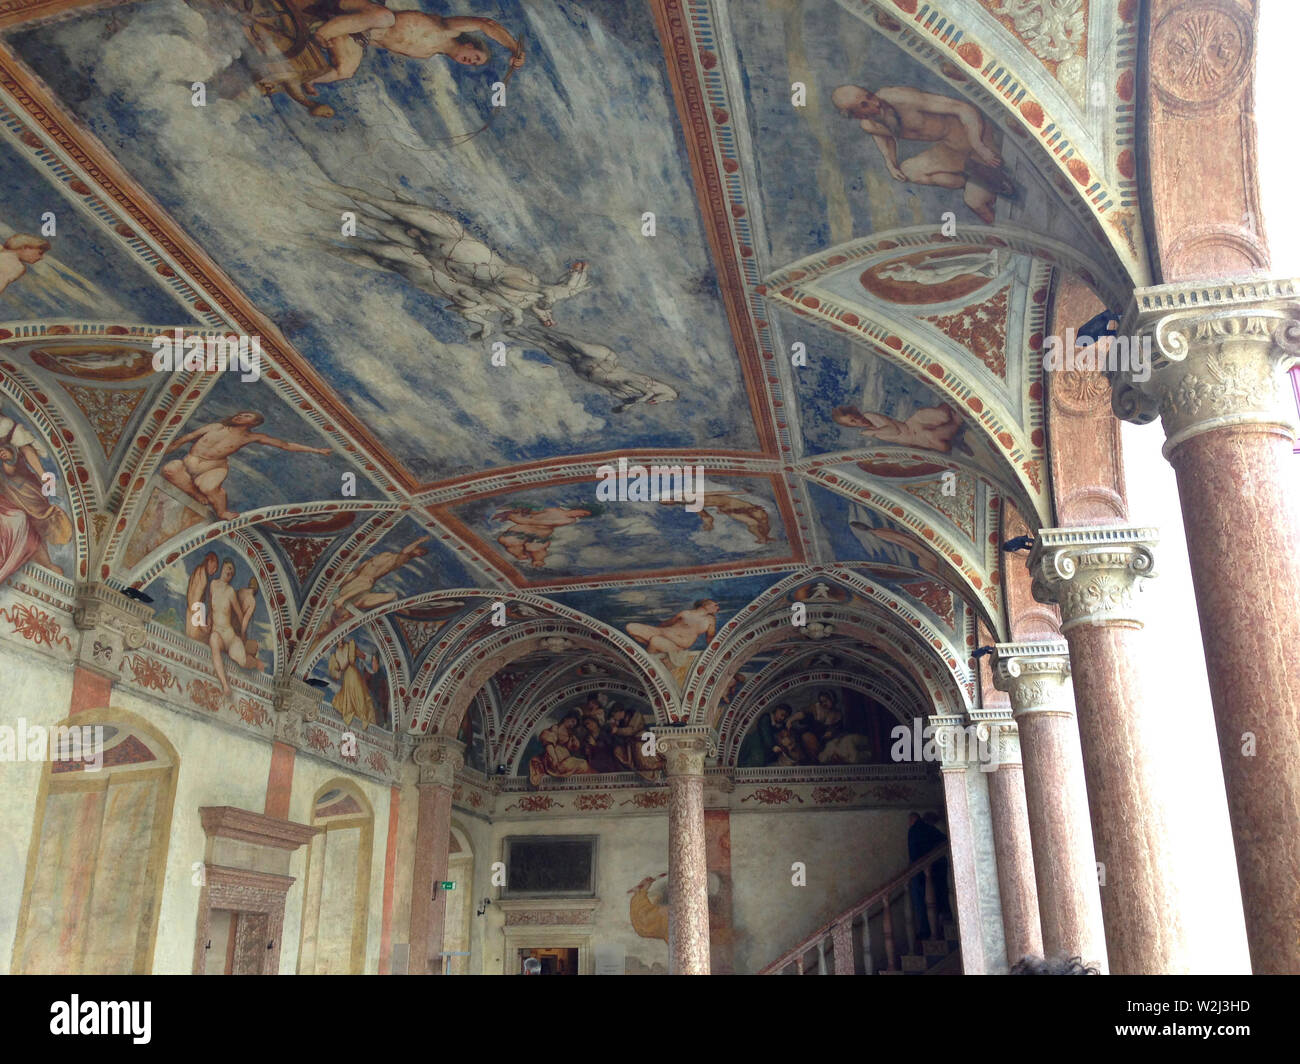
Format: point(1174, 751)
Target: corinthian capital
point(1091, 572)
point(1218, 356)
point(438, 758)
point(685, 748)
point(1033, 675)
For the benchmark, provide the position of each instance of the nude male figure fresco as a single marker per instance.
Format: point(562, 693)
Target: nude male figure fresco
point(963, 153)
point(352, 24)
point(203, 471)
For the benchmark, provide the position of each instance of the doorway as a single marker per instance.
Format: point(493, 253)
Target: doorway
point(555, 960)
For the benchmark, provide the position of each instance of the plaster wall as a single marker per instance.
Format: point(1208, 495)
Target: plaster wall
point(38, 690)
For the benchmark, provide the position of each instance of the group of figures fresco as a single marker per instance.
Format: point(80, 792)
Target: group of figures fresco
point(831, 729)
point(598, 734)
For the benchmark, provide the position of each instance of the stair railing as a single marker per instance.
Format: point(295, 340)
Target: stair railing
point(838, 934)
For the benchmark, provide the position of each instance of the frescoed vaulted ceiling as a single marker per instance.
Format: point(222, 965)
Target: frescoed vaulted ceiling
point(810, 246)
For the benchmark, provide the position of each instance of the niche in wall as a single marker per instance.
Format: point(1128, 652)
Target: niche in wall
point(336, 905)
point(99, 849)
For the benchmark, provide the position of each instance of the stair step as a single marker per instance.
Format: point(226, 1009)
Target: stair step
point(915, 962)
point(932, 947)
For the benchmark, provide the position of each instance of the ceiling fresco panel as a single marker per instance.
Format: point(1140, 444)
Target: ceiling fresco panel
point(528, 233)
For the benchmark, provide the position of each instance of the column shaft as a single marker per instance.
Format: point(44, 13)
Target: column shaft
point(1240, 519)
point(1092, 573)
point(1065, 862)
point(1011, 842)
point(684, 750)
point(688, 878)
point(961, 849)
point(428, 906)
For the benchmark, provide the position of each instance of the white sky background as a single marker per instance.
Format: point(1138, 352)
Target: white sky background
point(1185, 755)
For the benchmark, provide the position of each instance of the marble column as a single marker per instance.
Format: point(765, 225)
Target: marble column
point(1217, 378)
point(437, 760)
point(970, 848)
point(1036, 678)
point(684, 750)
point(1011, 841)
point(1092, 574)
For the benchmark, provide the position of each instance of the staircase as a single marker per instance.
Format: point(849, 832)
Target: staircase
point(874, 935)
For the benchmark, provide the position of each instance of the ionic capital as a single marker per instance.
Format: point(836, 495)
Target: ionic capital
point(996, 729)
point(685, 748)
point(949, 732)
point(1091, 572)
point(437, 758)
point(1218, 356)
point(1033, 675)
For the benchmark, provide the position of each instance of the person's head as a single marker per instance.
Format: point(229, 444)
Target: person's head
point(245, 419)
point(468, 50)
point(7, 454)
point(850, 416)
point(853, 101)
point(210, 563)
point(593, 702)
point(227, 570)
point(253, 585)
point(781, 713)
point(913, 819)
point(29, 248)
point(617, 713)
point(532, 966)
point(826, 699)
point(592, 726)
point(707, 605)
point(1031, 965)
point(570, 720)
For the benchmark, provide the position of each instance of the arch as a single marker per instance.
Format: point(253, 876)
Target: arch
point(883, 619)
point(730, 741)
point(979, 577)
point(446, 696)
point(516, 740)
point(108, 828)
point(336, 898)
point(460, 680)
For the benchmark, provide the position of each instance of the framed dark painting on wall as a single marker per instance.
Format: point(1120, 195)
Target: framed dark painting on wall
point(550, 866)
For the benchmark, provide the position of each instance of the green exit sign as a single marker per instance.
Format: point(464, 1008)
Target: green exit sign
point(447, 884)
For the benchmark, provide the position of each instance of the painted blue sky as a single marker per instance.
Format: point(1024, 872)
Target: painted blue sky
point(587, 142)
point(619, 536)
point(84, 275)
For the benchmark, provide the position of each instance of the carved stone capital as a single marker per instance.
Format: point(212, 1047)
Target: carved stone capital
point(995, 728)
point(685, 748)
point(1034, 675)
point(438, 759)
point(1091, 572)
point(110, 625)
point(292, 697)
point(948, 731)
point(1218, 356)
